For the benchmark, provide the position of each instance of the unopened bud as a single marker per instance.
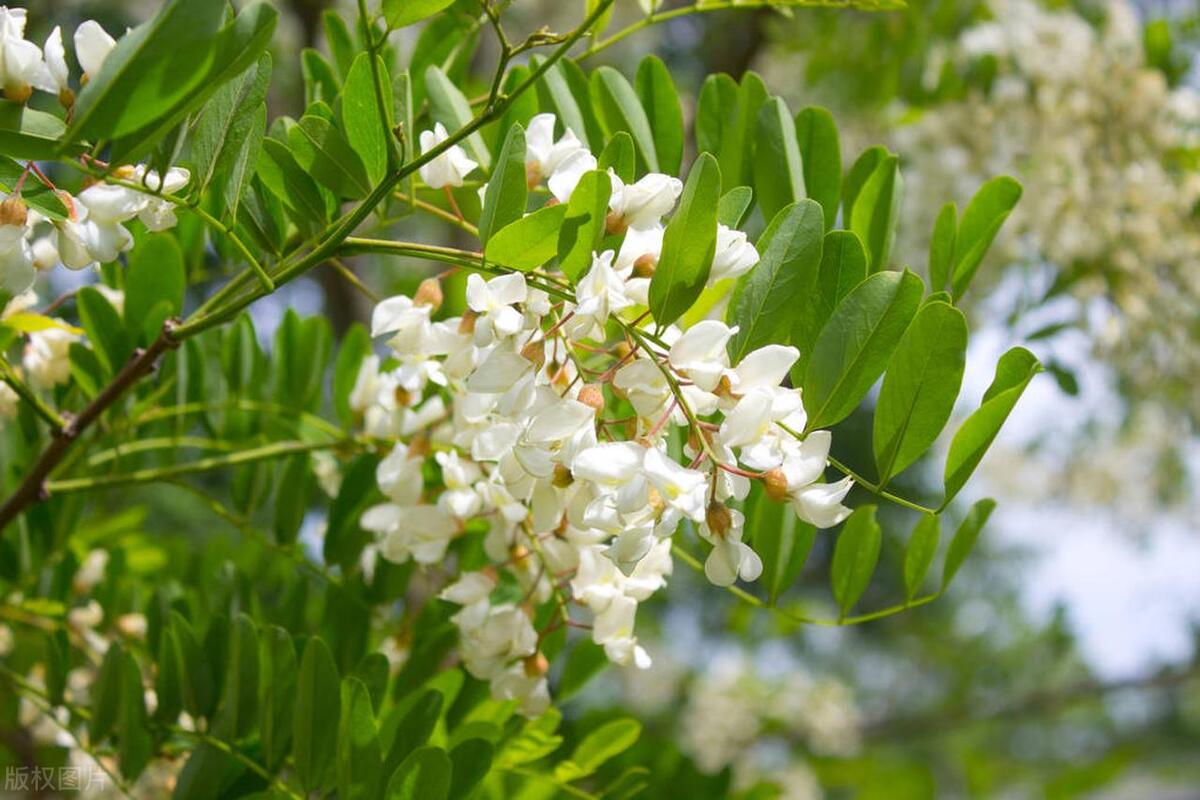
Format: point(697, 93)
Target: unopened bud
point(418, 448)
point(615, 224)
point(429, 293)
point(644, 266)
point(592, 395)
point(535, 352)
point(125, 172)
point(536, 665)
point(18, 92)
point(13, 211)
point(718, 518)
point(467, 323)
point(562, 476)
point(66, 98)
point(776, 485)
point(621, 349)
point(402, 395)
point(630, 429)
point(519, 554)
point(533, 174)
point(553, 201)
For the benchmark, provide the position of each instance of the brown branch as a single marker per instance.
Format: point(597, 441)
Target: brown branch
point(33, 486)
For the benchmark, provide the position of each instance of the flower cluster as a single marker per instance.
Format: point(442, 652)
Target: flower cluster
point(1094, 133)
point(92, 231)
point(578, 435)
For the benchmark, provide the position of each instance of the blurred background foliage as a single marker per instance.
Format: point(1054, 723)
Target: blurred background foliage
point(987, 692)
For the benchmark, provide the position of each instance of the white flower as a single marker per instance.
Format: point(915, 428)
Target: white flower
point(820, 504)
point(639, 242)
point(700, 352)
point(600, 292)
point(515, 683)
point(683, 489)
point(566, 176)
point(158, 214)
point(731, 558)
point(644, 384)
point(83, 241)
point(16, 259)
point(22, 69)
point(366, 385)
point(420, 532)
point(92, 46)
point(494, 300)
point(56, 60)
point(764, 368)
point(734, 255)
point(400, 476)
point(613, 629)
point(491, 641)
point(470, 588)
point(409, 322)
point(447, 169)
point(46, 357)
point(643, 204)
point(543, 155)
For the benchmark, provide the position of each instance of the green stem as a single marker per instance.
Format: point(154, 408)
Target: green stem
point(158, 443)
point(152, 474)
point(26, 393)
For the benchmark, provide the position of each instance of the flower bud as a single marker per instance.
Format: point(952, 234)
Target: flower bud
point(592, 395)
point(776, 485)
point(644, 266)
point(621, 349)
point(533, 174)
point(535, 352)
point(718, 518)
point(615, 224)
point(429, 293)
point(553, 201)
point(467, 324)
point(562, 476)
point(13, 211)
point(536, 665)
point(66, 98)
point(18, 92)
point(403, 396)
point(125, 172)
point(418, 448)
point(519, 554)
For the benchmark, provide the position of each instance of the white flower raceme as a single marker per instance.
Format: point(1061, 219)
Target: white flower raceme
point(447, 169)
point(92, 46)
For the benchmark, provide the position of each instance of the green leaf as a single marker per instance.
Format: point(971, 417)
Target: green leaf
point(352, 351)
point(606, 742)
point(734, 204)
point(471, 759)
point(718, 94)
point(106, 694)
point(104, 329)
point(135, 745)
point(854, 347)
point(323, 152)
point(918, 555)
point(344, 539)
point(619, 109)
point(358, 757)
point(765, 299)
point(585, 660)
point(292, 497)
point(660, 100)
point(854, 557)
point(843, 266)
point(35, 195)
point(227, 135)
point(315, 721)
point(362, 121)
point(523, 108)
point(1014, 371)
point(300, 354)
point(150, 68)
point(781, 540)
point(618, 156)
point(320, 81)
point(278, 694)
point(860, 171)
point(529, 242)
point(821, 153)
point(27, 133)
point(778, 167)
point(401, 13)
point(168, 681)
point(196, 678)
point(155, 275)
point(941, 247)
point(285, 179)
point(415, 728)
point(981, 221)
point(234, 49)
point(555, 89)
point(689, 243)
point(964, 539)
point(876, 211)
point(505, 196)
point(583, 226)
point(736, 154)
point(424, 775)
point(239, 702)
point(341, 42)
point(920, 387)
point(449, 106)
